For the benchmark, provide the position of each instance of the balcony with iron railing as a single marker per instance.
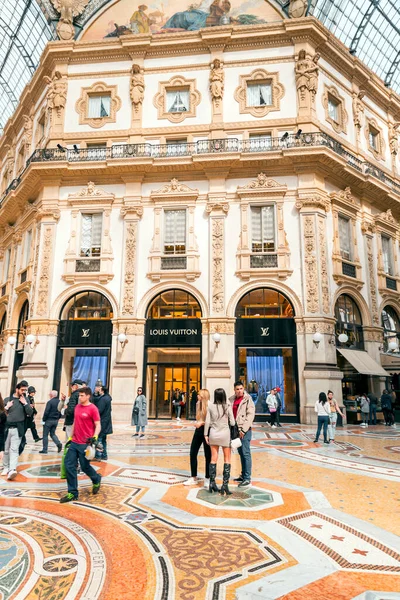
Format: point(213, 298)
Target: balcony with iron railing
point(227, 146)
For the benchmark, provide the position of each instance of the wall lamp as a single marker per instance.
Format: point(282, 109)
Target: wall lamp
point(317, 339)
point(12, 340)
point(392, 346)
point(343, 338)
point(32, 340)
point(123, 340)
point(216, 338)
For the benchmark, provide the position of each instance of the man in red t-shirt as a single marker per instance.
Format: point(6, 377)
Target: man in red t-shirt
point(85, 429)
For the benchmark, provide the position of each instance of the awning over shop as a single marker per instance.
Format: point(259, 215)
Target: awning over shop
point(363, 363)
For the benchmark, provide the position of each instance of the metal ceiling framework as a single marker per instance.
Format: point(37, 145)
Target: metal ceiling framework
point(369, 28)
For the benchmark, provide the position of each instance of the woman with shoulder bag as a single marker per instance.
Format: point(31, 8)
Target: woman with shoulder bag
point(139, 413)
point(323, 411)
point(272, 403)
point(203, 399)
point(217, 434)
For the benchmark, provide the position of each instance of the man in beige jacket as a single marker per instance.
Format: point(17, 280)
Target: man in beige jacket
point(244, 413)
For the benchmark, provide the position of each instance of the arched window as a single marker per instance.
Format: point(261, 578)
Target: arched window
point(348, 321)
point(86, 306)
point(174, 304)
point(391, 327)
point(263, 303)
point(23, 317)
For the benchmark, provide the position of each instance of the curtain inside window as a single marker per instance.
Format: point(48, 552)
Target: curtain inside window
point(91, 365)
point(177, 100)
point(175, 231)
point(27, 248)
point(91, 234)
point(387, 255)
point(333, 110)
point(259, 94)
point(345, 238)
point(7, 264)
point(267, 372)
point(99, 106)
point(263, 228)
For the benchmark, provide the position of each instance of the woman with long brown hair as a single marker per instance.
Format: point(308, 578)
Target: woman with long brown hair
point(217, 433)
point(3, 420)
point(203, 398)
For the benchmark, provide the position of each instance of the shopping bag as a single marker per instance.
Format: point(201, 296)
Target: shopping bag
point(63, 471)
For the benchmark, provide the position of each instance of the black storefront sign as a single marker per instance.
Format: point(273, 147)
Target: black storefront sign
point(265, 332)
point(173, 332)
point(84, 334)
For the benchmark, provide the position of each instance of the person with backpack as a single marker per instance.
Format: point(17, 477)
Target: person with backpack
point(17, 408)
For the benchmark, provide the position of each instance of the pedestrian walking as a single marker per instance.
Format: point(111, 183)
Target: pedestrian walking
point(139, 413)
point(50, 419)
point(272, 404)
point(73, 400)
point(243, 409)
point(335, 410)
point(17, 408)
point(103, 403)
point(323, 411)
point(3, 420)
point(203, 399)
point(177, 401)
point(373, 403)
point(386, 404)
point(364, 405)
point(30, 421)
point(85, 430)
point(278, 406)
point(217, 433)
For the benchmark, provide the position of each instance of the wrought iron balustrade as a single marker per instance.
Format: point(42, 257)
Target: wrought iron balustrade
point(169, 263)
point(263, 261)
point(91, 265)
point(391, 284)
point(24, 276)
point(349, 270)
point(204, 147)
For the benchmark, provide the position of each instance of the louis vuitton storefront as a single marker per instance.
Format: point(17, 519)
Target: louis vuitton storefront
point(266, 350)
point(84, 341)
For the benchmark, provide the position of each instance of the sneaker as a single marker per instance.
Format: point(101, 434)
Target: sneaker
point(38, 440)
point(362, 424)
point(135, 435)
point(59, 448)
point(366, 424)
point(244, 483)
point(42, 452)
point(68, 498)
point(178, 418)
point(96, 486)
point(326, 442)
point(238, 479)
point(141, 435)
point(206, 483)
point(273, 425)
point(12, 475)
point(279, 425)
point(4, 472)
point(191, 481)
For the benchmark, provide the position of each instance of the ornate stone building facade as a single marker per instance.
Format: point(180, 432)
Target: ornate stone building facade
point(152, 180)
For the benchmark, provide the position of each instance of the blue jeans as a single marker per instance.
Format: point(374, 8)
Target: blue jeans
point(138, 427)
point(178, 409)
point(323, 421)
point(77, 452)
point(103, 441)
point(245, 456)
point(372, 413)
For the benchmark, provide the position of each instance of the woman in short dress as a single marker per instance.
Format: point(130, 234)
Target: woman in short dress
point(217, 433)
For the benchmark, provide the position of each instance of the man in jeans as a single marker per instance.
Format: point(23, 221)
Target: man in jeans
point(373, 401)
point(51, 416)
point(244, 411)
point(103, 403)
point(17, 408)
point(85, 430)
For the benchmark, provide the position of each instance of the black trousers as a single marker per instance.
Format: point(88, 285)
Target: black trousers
point(30, 424)
point(197, 441)
point(389, 417)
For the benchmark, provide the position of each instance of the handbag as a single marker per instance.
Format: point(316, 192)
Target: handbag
point(272, 409)
point(236, 443)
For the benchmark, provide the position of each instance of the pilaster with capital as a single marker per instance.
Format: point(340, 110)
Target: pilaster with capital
point(368, 230)
point(217, 208)
point(132, 213)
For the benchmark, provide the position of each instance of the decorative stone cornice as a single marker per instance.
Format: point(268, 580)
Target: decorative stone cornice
point(217, 206)
point(48, 214)
point(174, 190)
point(387, 222)
point(132, 210)
point(313, 201)
point(262, 187)
point(91, 194)
point(345, 201)
point(262, 181)
point(367, 225)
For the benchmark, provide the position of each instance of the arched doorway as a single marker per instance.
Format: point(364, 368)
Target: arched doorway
point(391, 347)
point(266, 350)
point(172, 352)
point(84, 340)
point(20, 343)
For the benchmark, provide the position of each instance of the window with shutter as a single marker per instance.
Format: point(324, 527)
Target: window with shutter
point(345, 238)
point(91, 234)
point(27, 248)
point(263, 228)
point(387, 255)
point(175, 232)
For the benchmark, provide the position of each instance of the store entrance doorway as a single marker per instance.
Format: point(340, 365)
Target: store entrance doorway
point(164, 377)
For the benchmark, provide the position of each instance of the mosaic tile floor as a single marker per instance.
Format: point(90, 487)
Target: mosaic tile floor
point(320, 522)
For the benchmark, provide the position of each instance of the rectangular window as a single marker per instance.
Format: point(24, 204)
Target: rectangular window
point(387, 255)
point(99, 106)
point(7, 264)
point(91, 234)
point(373, 138)
point(263, 228)
point(21, 160)
point(345, 237)
point(175, 232)
point(260, 141)
point(259, 94)
point(27, 248)
point(333, 109)
point(177, 101)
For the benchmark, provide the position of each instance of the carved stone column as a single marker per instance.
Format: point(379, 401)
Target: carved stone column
point(217, 209)
point(132, 215)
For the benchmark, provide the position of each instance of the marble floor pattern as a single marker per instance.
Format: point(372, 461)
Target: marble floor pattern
point(320, 522)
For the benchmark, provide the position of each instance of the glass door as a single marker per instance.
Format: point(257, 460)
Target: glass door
point(163, 380)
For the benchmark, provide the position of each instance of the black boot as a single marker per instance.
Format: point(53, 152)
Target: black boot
point(226, 475)
point(213, 473)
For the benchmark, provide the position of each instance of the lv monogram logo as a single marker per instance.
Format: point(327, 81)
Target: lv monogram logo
point(264, 331)
point(85, 333)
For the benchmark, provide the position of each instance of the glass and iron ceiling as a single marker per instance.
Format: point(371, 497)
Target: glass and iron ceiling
point(369, 28)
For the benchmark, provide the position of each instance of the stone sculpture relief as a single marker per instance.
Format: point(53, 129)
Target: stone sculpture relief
point(307, 72)
point(217, 82)
point(137, 88)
